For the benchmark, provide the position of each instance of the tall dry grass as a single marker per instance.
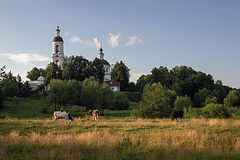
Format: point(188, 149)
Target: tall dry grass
point(126, 139)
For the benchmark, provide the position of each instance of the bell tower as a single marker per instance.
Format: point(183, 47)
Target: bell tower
point(57, 49)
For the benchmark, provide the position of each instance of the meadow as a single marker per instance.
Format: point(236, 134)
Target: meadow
point(113, 136)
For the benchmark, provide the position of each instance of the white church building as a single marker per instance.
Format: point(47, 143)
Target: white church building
point(57, 57)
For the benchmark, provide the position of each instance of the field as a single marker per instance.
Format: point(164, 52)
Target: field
point(114, 136)
point(120, 138)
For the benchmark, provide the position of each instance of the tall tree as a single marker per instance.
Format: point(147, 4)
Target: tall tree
point(98, 70)
point(121, 74)
point(53, 71)
point(155, 101)
point(232, 99)
point(9, 85)
point(35, 73)
point(58, 94)
point(77, 68)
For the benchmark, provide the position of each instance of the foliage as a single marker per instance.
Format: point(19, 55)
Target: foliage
point(105, 98)
point(121, 101)
point(210, 100)
point(182, 102)
point(74, 89)
point(120, 73)
point(9, 85)
point(58, 94)
point(133, 96)
point(35, 73)
point(232, 99)
point(201, 96)
point(1, 99)
point(89, 94)
point(53, 71)
point(142, 81)
point(216, 111)
point(97, 70)
point(2, 72)
point(155, 102)
point(25, 90)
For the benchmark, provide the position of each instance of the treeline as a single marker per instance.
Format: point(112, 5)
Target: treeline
point(183, 88)
point(89, 94)
point(79, 68)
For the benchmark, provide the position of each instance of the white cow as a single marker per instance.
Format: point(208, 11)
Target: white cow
point(62, 115)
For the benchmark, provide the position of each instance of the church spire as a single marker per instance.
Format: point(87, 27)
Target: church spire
point(101, 54)
point(58, 31)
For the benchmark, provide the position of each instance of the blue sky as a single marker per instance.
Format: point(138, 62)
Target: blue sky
point(202, 34)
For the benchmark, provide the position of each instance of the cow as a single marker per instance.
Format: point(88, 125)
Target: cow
point(94, 113)
point(62, 115)
point(177, 114)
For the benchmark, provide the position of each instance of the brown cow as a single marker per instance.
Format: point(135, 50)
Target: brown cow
point(94, 113)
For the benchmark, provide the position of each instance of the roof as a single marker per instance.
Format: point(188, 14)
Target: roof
point(104, 62)
point(57, 39)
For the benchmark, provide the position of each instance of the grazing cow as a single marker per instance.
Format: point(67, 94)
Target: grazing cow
point(62, 115)
point(177, 114)
point(94, 113)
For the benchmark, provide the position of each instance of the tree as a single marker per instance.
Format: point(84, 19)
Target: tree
point(58, 94)
point(142, 81)
point(210, 100)
point(25, 90)
point(77, 68)
point(89, 94)
point(74, 89)
point(155, 102)
point(53, 71)
point(1, 99)
point(201, 96)
point(161, 75)
point(35, 73)
point(9, 85)
point(182, 102)
point(105, 98)
point(121, 74)
point(121, 101)
point(216, 111)
point(2, 72)
point(97, 70)
point(232, 99)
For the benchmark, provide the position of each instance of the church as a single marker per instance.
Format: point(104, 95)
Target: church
point(57, 57)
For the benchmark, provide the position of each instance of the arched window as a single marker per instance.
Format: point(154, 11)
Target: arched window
point(57, 48)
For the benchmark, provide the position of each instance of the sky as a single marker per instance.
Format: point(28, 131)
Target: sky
point(202, 34)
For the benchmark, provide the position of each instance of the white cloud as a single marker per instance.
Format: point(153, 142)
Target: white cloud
point(66, 33)
point(96, 43)
point(113, 40)
point(75, 39)
point(134, 76)
point(25, 58)
point(133, 40)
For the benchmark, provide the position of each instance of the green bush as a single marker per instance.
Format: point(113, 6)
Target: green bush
point(212, 110)
point(121, 101)
point(182, 102)
point(156, 102)
point(133, 96)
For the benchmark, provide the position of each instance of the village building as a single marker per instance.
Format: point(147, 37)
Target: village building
point(57, 57)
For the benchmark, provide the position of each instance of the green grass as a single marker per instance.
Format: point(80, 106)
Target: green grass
point(27, 131)
point(119, 138)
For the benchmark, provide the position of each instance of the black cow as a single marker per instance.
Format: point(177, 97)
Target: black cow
point(177, 114)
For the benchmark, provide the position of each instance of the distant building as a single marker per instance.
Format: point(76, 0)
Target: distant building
point(57, 49)
point(113, 84)
point(34, 84)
